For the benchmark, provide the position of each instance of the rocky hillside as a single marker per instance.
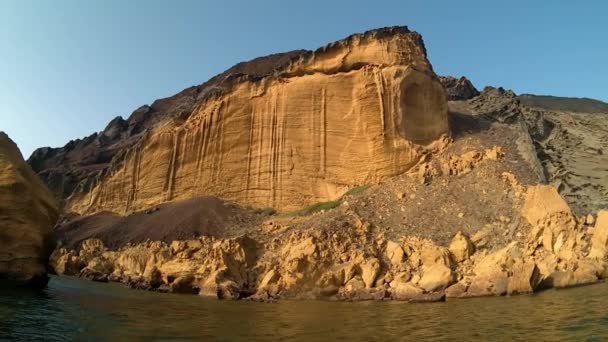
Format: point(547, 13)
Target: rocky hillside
point(385, 190)
point(27, 215)
point(283, 131)
point(564, 104)
point(569, 145)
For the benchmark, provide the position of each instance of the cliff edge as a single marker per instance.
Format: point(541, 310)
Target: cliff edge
point(27, 214)
point(353, 112)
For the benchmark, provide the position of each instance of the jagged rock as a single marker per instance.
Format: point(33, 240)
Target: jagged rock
point(497, 104)
point(356, 263)
point(525, 277)
point(458, 89)
point(394, 252)
point(457, 290)
point(461, 247)
point(27, 212)
point(354, 284)
point(554, 225)
point(558, 279)
point(599, 242)
point(369, 272)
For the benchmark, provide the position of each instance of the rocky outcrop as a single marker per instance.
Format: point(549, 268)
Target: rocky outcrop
point(353, 112)
point(458, 89)
point(80, 163)
point(356, 261)
point(27, 214)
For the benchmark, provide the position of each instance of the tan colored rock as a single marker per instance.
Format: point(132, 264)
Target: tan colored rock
point(558, 279)
point(369, 272)
point(461, 247)
point(525, 277)
point(436, 277)
point(394, 252)
point(405, 291)
point(542, 202)
point(270, 278)
point(457, 290)
point(65, 262)
point(599, 241)
point(355, 112)
point(354, 284)
point(494, 284)
point(494, 153)
point(586, 273)
point(553, 224)
point(28, 212)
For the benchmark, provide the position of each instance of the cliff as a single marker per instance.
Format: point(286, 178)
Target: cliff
point(27, 214)
point(299, 130)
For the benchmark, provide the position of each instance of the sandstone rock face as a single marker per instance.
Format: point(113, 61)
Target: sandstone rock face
point(599, 243)
point(354, 112)
point(27, 214)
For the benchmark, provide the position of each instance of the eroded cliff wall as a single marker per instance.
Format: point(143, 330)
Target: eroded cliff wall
point(353, 112)
point(27, 214)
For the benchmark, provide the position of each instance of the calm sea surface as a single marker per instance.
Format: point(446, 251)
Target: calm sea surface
point(74, 310)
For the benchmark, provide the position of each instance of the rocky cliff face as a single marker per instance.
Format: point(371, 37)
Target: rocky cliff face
point(469, 219)
point(27, 214)
point(77, 165)
point(458, 89)
point(353, 112)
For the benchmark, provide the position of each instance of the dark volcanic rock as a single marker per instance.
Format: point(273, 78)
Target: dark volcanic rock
point(458, 89)
point(497, 104)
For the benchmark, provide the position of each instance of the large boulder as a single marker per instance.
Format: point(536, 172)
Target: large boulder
point(27, 214)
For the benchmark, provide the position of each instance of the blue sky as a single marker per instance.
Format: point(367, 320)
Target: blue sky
point(68, 66)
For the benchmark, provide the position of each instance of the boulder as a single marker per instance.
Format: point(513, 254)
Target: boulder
point(405, 291)
point(457, 290)
point(494, 284)
point(28, 212)
point(461, 247)
point(436, 277)
point(369, 271)
point(394, 252)
point(354, 284)
point(525, 277)
point(599, 242)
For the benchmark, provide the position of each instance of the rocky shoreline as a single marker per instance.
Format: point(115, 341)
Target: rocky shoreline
point(357, 262)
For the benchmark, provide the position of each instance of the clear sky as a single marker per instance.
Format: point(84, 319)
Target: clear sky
point(68, 66)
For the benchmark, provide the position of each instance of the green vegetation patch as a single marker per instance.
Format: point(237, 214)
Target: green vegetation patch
point(314, 208)
point(356, 190)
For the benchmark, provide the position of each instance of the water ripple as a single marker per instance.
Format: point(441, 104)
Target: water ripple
point(71, 309)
